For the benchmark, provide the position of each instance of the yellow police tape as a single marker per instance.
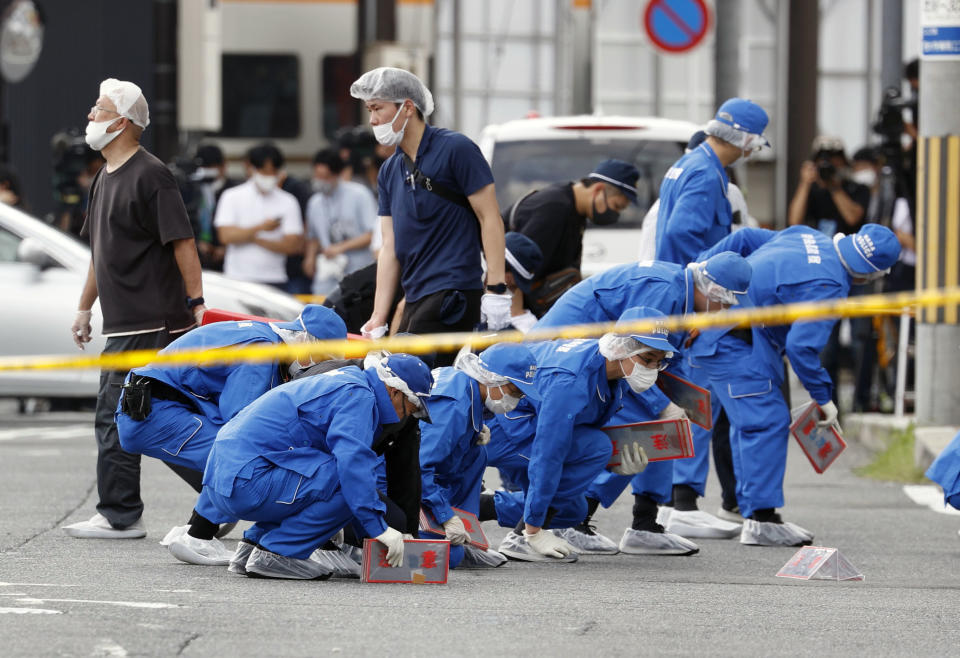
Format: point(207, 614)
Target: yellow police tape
point(868, 305)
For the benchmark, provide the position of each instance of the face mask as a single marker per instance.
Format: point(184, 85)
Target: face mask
point(206, 174)
point(322, 186)
point(640, 378)
point(384, 132)
point(265, 183)
point(97, 135)
point(504, 405)
point(865, 177)
point(607, 217)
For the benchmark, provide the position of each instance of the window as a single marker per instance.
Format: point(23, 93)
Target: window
point(8, 246)
point(261, 96)
point(337, 73)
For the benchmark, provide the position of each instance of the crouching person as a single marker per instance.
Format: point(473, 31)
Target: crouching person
point(301, 462)
point(452, 452)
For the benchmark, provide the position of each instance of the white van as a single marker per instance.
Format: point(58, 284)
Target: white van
point(528, 154)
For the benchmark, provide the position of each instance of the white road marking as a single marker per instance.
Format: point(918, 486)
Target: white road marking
point(3, 584)
point(109, 648)
point(49, 433)
point(930, 496)
point(120, 604)
point(29, 611)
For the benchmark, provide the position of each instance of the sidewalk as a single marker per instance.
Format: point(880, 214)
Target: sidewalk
point(875, 431)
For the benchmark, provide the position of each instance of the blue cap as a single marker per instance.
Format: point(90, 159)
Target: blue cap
point(318, 321)
point(516, 363)
point(744, 115)
point(524, 258)
point(620, 174)
point(656, 338)
point(729, 270)
point(874, 248)
point(415, 374)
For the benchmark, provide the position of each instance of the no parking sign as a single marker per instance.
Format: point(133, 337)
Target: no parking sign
point(676, 26)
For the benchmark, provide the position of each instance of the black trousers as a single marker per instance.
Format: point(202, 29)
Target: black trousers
point(440, 312)
point(118, 471)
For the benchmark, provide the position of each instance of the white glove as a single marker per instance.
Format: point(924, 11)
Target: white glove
point(81, 328)
point(495, 310)
point(198, 312)
point(633, 459)
point(373, 332)
point(393, 540)
point(546, 543)
point(672, 412)
point(454, 530)
point(483, 436)
point(830, 414)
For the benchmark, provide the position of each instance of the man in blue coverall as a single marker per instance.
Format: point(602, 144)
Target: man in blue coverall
point(695, 214)
point(672, 290)
point(452, 448)
point(561, 443)
point(301, 462)
point(189, 404)
point(745, 367)
point(945, 471)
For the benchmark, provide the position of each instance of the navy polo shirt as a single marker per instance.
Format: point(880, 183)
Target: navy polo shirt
point(437, 242)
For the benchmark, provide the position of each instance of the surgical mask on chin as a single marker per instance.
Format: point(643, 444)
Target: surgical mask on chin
point(504, 405)
point(265, 183)
point(865, 177)
point(384, 132)
point(97, 136)
point(606, 217)
point(640, 378)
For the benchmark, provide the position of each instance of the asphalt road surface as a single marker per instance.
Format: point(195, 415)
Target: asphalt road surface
point(69, 597)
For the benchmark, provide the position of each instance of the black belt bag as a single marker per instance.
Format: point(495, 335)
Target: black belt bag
point(744, 333)
point(139, 392)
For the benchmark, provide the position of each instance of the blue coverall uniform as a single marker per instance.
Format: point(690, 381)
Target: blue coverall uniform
point(797, 264)
point(562, 444)
point(299, 461)
point(451, 462)
point(182, 432)
point(945, 471)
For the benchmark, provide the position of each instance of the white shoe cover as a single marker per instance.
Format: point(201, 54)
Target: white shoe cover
point(474, 558)
point(663, 515)
point(337, 562)
point(238, 563)
point(175, 533)
point(728, 515)
point(206, 552)
point(97, 527)
point(267, 564)
point(756, 533)
point(515, 546)
point(644, 542)
point(701, 525)
point(588, 543)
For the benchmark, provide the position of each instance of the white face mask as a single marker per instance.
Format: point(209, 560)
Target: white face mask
point(504, 405)
point(384, 132)
point(865, 177)
point(264, 183)
point(97, 135)
point(640, 378)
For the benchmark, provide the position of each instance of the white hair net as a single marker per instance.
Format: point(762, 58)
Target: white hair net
point(739, 138)
point(373, 358)
point(291, 337)
point(394, 85)
point(469, 364)
point(614, 347)
point(390, 379)
point(710, 288)
point(128, 99)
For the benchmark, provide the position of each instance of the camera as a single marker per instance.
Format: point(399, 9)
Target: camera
point(71, 155)
point(825, 169)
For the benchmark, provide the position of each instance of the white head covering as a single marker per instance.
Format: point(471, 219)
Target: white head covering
point(470, 364)
point(128, 99)
point(394, 85)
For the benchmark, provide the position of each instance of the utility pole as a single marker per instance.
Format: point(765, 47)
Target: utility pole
point(727, 52)
point(802, 74)
point(891, 36)
point(938, 213)
point(163, 105)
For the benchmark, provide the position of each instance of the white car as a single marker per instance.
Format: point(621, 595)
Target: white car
point(528, 154)
point(43, 271)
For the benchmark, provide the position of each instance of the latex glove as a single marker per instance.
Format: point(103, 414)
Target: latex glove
point(373, 332)
point(81, 328)
point(454, 530)
point(495, 310)
point(546, 543)
point(672, 412)
point(393, 540)
point(633, 459)
point(483, 436)
point(198, 312)
point(830, 414)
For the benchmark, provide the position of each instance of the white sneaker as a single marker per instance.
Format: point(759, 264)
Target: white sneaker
point(757, 533)
point(175, 533)
point(99, 528)
point(644, 542)
point(267, 564)
point(587, 541)
point(515, 547)
point(474, 558)
point(663, 514)
point(238, 563)
point(701, 525)
point(337, 562)
point(729, 515)
point(207, 552)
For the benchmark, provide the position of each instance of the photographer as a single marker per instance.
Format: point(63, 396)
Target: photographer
point(825, 198)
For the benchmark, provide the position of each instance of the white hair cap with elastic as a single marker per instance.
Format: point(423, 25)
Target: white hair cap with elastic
point(389, 378)
point(128, 99)
point(470, 364)
point(614, 347)
point(739, 138)
point(394, 85)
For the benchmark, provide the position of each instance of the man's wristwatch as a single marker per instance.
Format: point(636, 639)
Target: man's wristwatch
point(193, 302)
point(498, 288)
